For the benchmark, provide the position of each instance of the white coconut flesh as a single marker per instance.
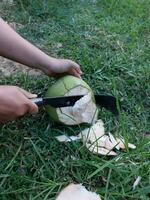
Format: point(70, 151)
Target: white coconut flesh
point(77, 192)
point(84, 110)
point(96, 140)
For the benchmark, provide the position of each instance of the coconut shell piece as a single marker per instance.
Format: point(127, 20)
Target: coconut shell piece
point(77, 192)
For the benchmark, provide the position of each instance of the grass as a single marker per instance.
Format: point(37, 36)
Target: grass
point(110, 40)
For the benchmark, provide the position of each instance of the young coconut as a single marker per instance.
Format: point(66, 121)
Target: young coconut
point(84, 110)
point(77, 192)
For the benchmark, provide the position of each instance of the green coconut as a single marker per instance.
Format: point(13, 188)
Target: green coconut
point(84, 110)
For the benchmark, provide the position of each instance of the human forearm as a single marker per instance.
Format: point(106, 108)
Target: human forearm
point(14, 47)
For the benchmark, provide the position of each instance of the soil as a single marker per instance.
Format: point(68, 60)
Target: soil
point(8, 68)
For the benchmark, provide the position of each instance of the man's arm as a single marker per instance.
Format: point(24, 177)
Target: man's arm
point(14, 47)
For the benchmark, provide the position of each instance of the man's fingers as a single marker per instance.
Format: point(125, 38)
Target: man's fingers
point(31, 108)
point(77, 68)
point(74, 73)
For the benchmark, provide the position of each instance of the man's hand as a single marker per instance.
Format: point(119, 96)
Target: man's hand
point(14, 102)
point(57, 67)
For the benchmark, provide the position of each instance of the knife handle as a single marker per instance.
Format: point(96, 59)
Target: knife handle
point(38, 101)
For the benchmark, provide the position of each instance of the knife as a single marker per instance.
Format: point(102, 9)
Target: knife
point(109, 102)
point(104, 100)
point(57, 102)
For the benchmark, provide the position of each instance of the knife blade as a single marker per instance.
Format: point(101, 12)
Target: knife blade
point(57, 102)
point(107, 101)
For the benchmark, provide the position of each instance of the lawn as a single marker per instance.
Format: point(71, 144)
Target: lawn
point(110, 39)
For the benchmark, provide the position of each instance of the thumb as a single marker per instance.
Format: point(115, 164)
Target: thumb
point(28, 94)
point(32, 107)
